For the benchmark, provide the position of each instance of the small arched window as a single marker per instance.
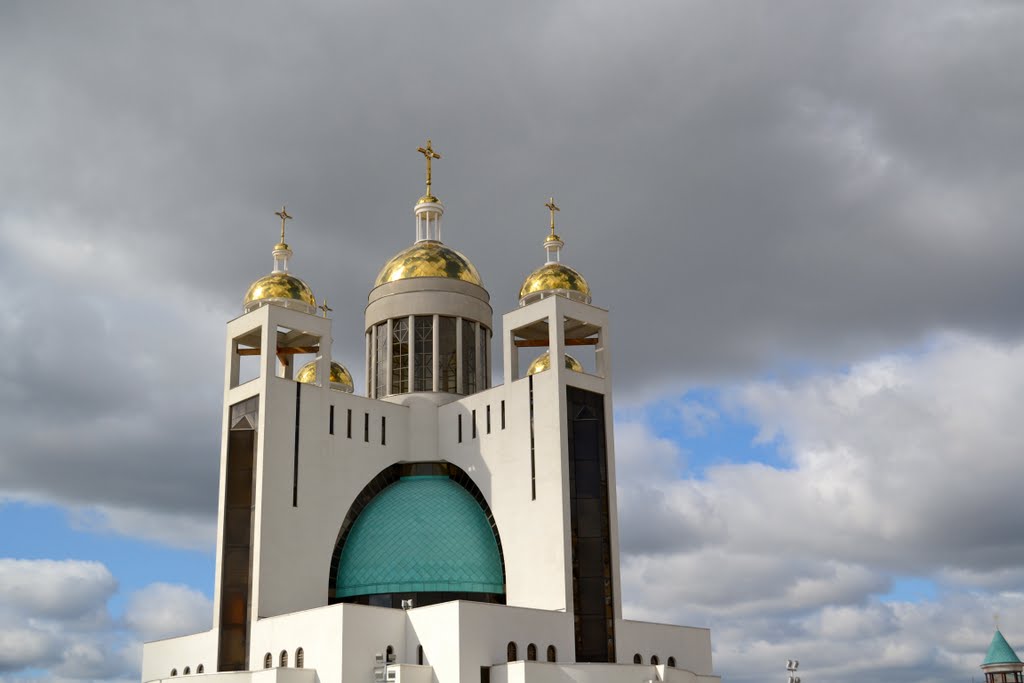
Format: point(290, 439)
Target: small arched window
point(187, 671)
point(283, 658)
point(552, 653)
point(531, 652)
point(300, 658)
point(637, 659)
point(654, 659)
point(200, 669)
point(174, 672)
point(268, 660)
point(513, 653)
point(390, 654)
point(671, 662)
point(419, 654)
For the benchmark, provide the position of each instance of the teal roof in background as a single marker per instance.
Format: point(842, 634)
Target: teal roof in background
point(420, 534)
point(1000, 652)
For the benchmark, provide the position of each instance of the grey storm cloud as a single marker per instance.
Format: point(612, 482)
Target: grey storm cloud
point(748, 188)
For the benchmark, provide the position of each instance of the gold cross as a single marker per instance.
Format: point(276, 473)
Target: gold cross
point(429, 153)
point(552, 207)
point(283, 215)
point(324, 307)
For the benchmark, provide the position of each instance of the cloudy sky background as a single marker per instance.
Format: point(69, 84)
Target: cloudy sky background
point(805, 218)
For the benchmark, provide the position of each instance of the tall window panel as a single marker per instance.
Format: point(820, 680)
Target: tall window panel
point(380, 358)
point(469, 356)
point(424, 350)
point(400, 356)
point(447, 355)
point(485, 366)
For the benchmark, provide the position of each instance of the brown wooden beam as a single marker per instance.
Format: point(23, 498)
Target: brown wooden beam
point(590, 341)
point(282, 350)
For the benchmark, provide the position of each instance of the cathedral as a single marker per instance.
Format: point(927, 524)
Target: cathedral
point(436, 529)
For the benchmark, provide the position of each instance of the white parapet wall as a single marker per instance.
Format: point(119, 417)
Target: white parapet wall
point(160, 657)
point(688, 645)
point(543, 672)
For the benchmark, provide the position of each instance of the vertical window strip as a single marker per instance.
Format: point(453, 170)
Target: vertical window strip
point(469, 356)
point(533, 448)
point(460, 427)
point(502, 413)
point(400, 356)
point(447, 356)
point(473, 426)
point(424, 350)
point(330, 422)
point(381, 333)
point(348, 425)
point(488, 418)
point(383, 430)
point(366, 427)
point(295, 462)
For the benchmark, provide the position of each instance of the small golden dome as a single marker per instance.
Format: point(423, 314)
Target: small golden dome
point(556, 278)
point(428, 258)
point(543, 362)
point(280, 288)
point(341, 379)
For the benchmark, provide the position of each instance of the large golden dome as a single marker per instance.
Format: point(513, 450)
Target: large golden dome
point(282, 288)
point(428, 258)
point(555, 278)
point(341, 378)
point(543, 362)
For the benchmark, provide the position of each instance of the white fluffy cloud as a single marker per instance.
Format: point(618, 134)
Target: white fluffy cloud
point(55, 618)
point(904, 466)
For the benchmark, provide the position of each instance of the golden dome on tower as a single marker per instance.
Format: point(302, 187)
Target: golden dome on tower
point(555, 278)
point(341, 378)
point(279, 288)
point(543, 362)
point(428, 258)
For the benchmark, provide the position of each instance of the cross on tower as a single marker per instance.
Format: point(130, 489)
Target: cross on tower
point(283, 215)
point(325, 308)
point(428, 153)
point(552, 207)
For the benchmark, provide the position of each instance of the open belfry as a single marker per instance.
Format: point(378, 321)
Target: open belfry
point(435, 529)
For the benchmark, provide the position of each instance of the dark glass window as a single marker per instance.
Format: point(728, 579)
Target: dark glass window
point(488, 418)
point(330, 424)
point(485, 357)
point(383, 430)
point(654, 659)
point(348, 427)
point(531, 652)
point(552, 653)
point(268, 660)
point(460, 427)
point(424, 350)
point(284, 658)
point(637, 659)
point(400, 356)
point(446, 352)
point(300, 658)
point(380, 360)
point(473, 420)
point(671, 661)
point(513, 653)
point(469, 356)
point(419, 654)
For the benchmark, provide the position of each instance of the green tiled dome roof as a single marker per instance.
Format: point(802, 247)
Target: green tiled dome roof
point(1000, 652)
point(420, 534)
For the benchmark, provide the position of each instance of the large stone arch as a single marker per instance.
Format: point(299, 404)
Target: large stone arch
point(382, 482)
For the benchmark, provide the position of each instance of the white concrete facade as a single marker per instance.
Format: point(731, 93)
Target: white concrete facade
point(316, 449)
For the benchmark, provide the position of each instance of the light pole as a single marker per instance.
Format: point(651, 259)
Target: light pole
point(791, 666)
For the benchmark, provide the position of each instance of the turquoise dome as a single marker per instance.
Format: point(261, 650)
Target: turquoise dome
point(1000, 652)
point(420, 534)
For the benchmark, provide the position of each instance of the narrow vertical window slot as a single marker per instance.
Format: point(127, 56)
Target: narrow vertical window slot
point(383, 430)
point(460, 427)
point(503, 413)
point(366, 427)
point(488, 418)
point(473, 426)
point(533, 449)
point(348, 426)
point(295, 462)
point(330, 422)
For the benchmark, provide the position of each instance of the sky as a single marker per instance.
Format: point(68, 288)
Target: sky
point(804, 218)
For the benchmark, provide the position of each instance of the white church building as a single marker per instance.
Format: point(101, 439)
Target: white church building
point(437, 529)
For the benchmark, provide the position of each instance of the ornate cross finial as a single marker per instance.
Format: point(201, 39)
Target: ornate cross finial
point(325, 308)
point(283, 215)
point(552, 207)
point(429, 153)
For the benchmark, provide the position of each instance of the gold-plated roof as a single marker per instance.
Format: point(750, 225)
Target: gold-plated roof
point(341, 378)
point(543, 362)
point(554, 276)
point(280, 286)
point(428, 258)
